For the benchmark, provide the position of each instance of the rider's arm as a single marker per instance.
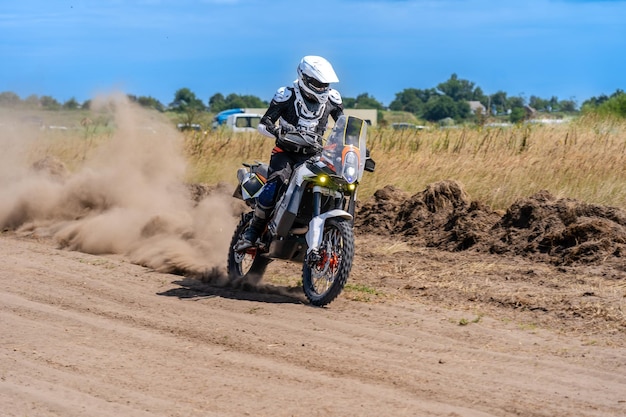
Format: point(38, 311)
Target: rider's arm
point(267, 125)
point(267, 128)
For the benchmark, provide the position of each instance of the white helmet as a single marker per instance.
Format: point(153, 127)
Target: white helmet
point(314, 77)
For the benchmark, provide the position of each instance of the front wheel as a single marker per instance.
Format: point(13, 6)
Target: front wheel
point(248, 262)
point(325, 278)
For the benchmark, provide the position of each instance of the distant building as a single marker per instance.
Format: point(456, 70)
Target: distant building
point(477, 107)
point(530, 112)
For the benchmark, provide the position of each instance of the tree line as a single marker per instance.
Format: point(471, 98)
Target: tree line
point(448, 100)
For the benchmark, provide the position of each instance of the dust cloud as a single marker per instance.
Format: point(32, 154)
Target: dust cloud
point(128, 197)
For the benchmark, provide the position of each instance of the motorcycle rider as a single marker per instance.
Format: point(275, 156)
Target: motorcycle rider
point(303, 107)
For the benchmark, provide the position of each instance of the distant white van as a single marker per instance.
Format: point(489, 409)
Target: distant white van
point(237, 120)
point(243, 122)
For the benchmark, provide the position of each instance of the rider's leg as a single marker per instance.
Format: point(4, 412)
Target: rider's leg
point(264, 205)
point(280, 168)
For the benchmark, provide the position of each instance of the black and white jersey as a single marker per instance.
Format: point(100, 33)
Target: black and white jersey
point(289, 106)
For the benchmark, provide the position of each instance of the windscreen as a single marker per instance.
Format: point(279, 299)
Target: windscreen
point(348, 136)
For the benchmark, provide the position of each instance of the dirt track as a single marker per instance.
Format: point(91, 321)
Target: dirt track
point(100, 336)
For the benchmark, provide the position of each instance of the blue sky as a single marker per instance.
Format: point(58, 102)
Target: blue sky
point(572, 49)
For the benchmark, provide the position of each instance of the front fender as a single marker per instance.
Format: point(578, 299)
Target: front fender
point(316, 227)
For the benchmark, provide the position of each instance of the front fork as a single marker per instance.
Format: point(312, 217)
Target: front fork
point(315, 234)
point(339, 200)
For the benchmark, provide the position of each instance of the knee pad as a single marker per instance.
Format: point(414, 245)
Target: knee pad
point(267, 196)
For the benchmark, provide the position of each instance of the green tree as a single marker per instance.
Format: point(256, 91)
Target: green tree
point(538, 103)
point(411, 100)
point(348, 102)
point(49, 103)
point(218, 102)
point(567, 105)
point(458, 89)
point(518, 114)
point(478, 95)
point(32, 101)
point(554, 104)
point(440, 107)
point(362, 101)
point(604, 103)
point(253, 101)
point(71, 104)
point(150, 102)
point(186, 101)
point(187, 105)
point(463, 110)
point(615, 105)
point(594, 102)
point(9, 98)
point(498, 101)
point(234, 101)
point(515, 102)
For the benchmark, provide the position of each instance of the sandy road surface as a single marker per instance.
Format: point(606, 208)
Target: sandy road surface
point(84, 335)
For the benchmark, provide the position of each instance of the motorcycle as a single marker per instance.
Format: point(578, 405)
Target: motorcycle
point(312, 222)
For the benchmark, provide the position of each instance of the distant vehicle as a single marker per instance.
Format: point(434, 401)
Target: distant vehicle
point(406, 126)
point(186, 126)
point(221, 117)
point(237, 120)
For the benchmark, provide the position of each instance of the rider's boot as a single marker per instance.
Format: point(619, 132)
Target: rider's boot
point(250, 237)
point(265, 203)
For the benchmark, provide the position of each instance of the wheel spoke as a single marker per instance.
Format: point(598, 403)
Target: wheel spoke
point(249, 261)
point(246, 262)
point(325, 272)
point(324, 281)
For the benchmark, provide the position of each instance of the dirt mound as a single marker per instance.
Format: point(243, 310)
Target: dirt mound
point(559, 231)
point(378, 215)
point(442, 215)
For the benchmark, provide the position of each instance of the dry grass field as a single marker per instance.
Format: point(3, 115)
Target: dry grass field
point(584, 159)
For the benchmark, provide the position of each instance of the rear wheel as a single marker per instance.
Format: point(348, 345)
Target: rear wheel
point(248, 262)
point(323, 280)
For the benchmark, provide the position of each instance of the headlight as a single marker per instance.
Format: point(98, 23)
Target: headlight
point(351, 167)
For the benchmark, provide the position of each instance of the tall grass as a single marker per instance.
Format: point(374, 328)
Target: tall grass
point(216, 156)
point(584, 159)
